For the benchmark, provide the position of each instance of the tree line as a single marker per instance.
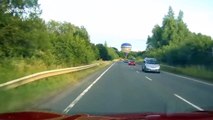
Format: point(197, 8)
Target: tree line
point(23, 34)
point(173, 43)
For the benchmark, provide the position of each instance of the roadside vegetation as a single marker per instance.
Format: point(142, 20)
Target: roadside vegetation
point(199, 72)
point(174, 44)
point(28, 44)
point(26, 96)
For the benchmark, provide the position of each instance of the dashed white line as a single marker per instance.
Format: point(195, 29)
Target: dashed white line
point(137, 71)
point(193, 105)
point(148, 78)
point(72, 104)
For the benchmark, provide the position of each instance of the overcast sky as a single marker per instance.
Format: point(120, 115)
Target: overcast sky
point(119, 21)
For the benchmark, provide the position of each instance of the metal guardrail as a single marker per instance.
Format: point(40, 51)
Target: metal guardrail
point(30, 78)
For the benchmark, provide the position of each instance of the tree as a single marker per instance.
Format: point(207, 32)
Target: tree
point(112, 53)
point(71, 44)
point(20, 8)
point(182, 30)
point(19, 28)
point(24, 35)
point(105, 44)
point(169, 28)
point(156, 40)
point(180, 16)
point(96, 51)
point(103, 52)
point(117, 52)
point(174, 44)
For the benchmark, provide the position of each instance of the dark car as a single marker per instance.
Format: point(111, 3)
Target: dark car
point(126, 61)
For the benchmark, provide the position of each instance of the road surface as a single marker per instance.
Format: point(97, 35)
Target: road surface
point(126, 89)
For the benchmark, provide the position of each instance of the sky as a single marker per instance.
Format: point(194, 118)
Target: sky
point(127, 21)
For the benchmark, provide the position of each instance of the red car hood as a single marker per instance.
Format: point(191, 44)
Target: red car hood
point(145, 116)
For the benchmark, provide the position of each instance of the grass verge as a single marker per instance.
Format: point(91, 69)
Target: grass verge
point(18, 98)
point(17, 68)
point(13, 69)
point(193, 71)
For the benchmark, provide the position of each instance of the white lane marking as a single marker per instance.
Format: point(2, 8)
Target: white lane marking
point(148, 78)
point(189, 78)
point(137, 71)
point(193, 105)
point(72, 104)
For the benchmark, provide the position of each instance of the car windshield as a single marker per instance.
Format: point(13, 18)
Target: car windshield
point(152, 61)
point(106, 56)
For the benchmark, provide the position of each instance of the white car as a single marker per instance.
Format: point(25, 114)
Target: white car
point(150, 65)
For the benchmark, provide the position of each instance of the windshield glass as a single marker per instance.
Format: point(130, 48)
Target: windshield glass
point(93, 56)
point(152, 61)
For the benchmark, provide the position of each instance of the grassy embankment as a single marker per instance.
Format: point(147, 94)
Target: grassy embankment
point(193, 71)
point(19, 98)
point(199, 72)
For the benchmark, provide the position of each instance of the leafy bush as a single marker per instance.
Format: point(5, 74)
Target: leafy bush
point(174, 44)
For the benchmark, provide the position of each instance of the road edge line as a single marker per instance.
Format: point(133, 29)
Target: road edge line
point(193, 105)
point(188, 78)
point(72, 104)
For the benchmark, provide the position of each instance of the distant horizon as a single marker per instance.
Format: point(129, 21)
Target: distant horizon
point(126, 20)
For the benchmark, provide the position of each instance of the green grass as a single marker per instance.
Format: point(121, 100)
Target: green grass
point(13, 69)
point(17, 68)
point(23, 96)
point(193, 71)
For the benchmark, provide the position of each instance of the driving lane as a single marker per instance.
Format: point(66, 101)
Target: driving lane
point(120, 90)
point(126, 89)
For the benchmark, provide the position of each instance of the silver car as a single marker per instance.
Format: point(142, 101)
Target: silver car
point(150, 65)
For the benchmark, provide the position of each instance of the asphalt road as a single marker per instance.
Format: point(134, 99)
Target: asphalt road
point(126, 89)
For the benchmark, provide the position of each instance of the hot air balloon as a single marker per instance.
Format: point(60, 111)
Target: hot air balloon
point(126, 48)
